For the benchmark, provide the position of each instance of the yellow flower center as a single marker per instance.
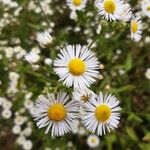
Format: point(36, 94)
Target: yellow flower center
point(77, 2)
point(148, 8)
point(85, 98)
point(93, 140)
point(57, 112)
point(134, 26)
point(102, 113)
point(76, 67)
point(109, 6)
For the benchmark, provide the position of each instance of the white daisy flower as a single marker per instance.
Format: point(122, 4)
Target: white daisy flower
point(32, 57)
point(56, 113)
point(44, 38)
point(136, 29)
point(27, 145)
point(83, 96)
point(109, 9)
point(101, 114)
point(146, 8)
point(93, 141)
point(76, 4)
point(77, 66)
point(126, 13)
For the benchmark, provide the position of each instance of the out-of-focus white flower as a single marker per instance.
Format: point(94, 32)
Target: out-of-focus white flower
point(69, 144)
point(7, 104)
point(9, 52)
point(93, 141)
point(136, 29)
point(35, 67)
point(21, 111)
point(82, 130)
point(73, 15)
point(32, 57)
point(145, 4)
point(28, 95)
point(16, 129)
point(44, 38)
point(147, 39)
point(76, 4)
point(48, 61)
point(28, 104)
point(27, 132)
point(98, 30)
point(19, 52)
point(27, 145)
point(13, 76)
point(121, 71)
point(20, 140)
point(19, 120)
point(147, 73)
point(2, 99)
point(6, 113)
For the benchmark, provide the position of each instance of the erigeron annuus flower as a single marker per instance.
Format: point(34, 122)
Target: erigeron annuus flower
point(27, 145)
point(76, 4)
point(32, 57)
point(55, 112)
point(109, 9)
point(83, 96)
point(101, 114)
point(93, 141)
point(136, 29)
point(146, 7)
point(44, 38)
point(77, 66)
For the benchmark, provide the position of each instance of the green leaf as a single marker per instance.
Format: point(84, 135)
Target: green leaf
point(147, 137)
point(134, 118)
point(131, 133)
point(144, 146)
point(128, 63)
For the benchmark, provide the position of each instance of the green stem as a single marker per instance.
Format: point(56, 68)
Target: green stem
point(107, 27)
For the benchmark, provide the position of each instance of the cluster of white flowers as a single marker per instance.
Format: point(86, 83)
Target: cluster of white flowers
point(17, 52)
point(13, 76)
point(6, 107)
point(22, 126)
point(33, 57)
point(111, 10)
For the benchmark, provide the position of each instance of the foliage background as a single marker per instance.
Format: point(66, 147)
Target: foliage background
point(131, 87)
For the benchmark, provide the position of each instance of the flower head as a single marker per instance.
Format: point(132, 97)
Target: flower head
point(101, 114)
point(76, 66)
point(109, 9)
point(83, 96)
point(56, 113)
point(136, 29)
point(44, 38)
point(93, 141)
point(146, 7)
point(76, 4)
